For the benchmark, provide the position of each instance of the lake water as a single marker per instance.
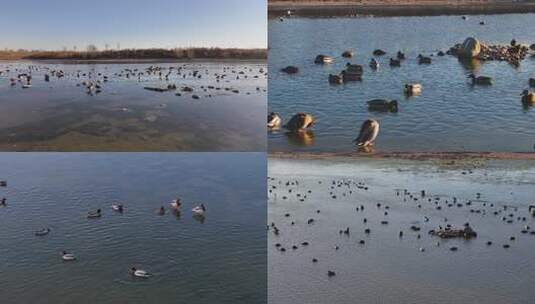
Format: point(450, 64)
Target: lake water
point(449, 115)
point(387, 268)
point(60, 116)
point(219, 260)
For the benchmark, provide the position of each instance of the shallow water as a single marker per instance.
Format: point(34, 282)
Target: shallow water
point(220, 260)
point(60, 116)
point(387, 268)
point(450, 115)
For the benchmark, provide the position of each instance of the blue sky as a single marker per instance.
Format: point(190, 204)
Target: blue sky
point(54, 24)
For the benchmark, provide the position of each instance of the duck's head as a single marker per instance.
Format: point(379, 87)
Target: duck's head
point(394, 105)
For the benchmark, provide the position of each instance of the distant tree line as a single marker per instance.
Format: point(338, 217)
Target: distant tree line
point(92, 53)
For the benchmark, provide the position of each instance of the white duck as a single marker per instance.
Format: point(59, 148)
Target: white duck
point(199, 210)
point(139, 273)
point(68, 256)
point(117, 207)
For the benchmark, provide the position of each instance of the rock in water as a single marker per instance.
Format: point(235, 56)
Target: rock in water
point(470, 48)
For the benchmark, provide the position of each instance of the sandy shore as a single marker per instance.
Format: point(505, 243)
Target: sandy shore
point(443, 156)
point(396, 7)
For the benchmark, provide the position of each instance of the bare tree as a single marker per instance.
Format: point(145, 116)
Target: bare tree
point(92, 48)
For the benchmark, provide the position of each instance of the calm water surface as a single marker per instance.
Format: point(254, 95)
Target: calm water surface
point(220, 260)
point(389, 269)
point(450, 115)
point(59, 115)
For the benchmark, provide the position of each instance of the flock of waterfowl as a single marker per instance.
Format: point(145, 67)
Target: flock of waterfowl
point(94, 82)
point(198, 211)
point(370, 214)
point(470, 49)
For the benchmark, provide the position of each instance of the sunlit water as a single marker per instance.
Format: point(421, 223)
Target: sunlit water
point(220, 260)
point(450, 115)
point(387, 268)
point(59, 115)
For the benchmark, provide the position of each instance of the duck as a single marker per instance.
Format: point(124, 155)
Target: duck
point(531, 82)
point(395, 62)
point(323, 59)
point(528, 98)
point(199, 210)
point(413, 89)
point(68, 256)
point(176, 204)
point(368, 133)
point(139, 273)
point(383, 105)
point(300, 121)
point(42, 232)
point(117, 207)
point(374, 64)
point(335, 79)
point(347, 54)
point(480, 80)
point(290, 70)
point(94, 214)
point(161, 211)
point(424, 60)
point(273, 120)
point(379, 52)
point(400, 55)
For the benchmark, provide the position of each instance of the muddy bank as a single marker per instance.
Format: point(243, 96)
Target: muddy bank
point(444, 156)
point(395, 8)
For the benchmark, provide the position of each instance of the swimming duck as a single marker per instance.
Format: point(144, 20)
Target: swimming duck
point(480, 80)
point(400, 55)
point(368, 133)
point(335, 79)
point(413, 89)
point(300, 121)
point(273, 120)
point(139, 273)
point(117, 207)
point(347, 54)
point(379, 52)
point(528, 98)
point(290, 70)
point(322, 59)
point(176, 204)
point(424, 60)
point(199, 210)
point(42, 232)
point(374, 64)
point(94, 214)
point(395, 62)
point(383, 105)
point(68, 256)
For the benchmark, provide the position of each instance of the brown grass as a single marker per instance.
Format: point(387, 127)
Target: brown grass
point(179, 53)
